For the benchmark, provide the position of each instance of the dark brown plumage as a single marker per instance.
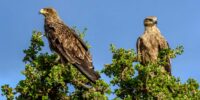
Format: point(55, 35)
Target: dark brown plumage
point(151, 43)
point(67, 44)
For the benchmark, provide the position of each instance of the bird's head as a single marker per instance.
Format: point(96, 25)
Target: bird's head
point(150, 21)
point(48, 12)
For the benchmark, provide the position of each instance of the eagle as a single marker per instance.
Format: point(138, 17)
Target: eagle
point(150, 43)
point(64, 41)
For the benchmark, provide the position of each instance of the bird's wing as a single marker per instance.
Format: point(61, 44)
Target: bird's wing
point(73, 49)
point(80, 40)
point(138, 47)
point(168, 66)
point(72, 31)
point(168, 45)
point(165, 45)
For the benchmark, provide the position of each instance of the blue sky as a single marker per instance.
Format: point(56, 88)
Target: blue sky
point(108, 21)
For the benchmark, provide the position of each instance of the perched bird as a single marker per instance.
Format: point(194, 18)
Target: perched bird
point(67, 44)
point(151, 43)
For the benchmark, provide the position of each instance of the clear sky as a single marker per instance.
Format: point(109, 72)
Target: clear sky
point(108, 21)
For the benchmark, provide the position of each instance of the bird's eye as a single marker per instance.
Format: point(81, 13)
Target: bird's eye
point(49, 10)
point(150, 20)
point(156, 22)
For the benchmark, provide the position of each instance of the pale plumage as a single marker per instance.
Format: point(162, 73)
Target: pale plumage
point(151, 43)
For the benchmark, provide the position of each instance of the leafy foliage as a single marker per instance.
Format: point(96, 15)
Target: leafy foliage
point(135, 81)
point(46, 78)
point(7, 91)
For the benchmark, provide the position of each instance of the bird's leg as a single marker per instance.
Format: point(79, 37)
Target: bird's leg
point(137, 58)
point(58, 58)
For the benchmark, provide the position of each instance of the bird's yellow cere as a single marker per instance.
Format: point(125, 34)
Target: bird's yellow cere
point(42, 11)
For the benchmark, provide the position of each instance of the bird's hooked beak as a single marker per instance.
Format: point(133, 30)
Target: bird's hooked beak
point(150, 21)
point(42, 11)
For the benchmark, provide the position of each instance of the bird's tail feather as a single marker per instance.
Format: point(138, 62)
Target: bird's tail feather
point(88, 72)
point(168, 66)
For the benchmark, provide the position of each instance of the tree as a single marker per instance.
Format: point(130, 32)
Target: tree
point(46, 78)
point(153, 82)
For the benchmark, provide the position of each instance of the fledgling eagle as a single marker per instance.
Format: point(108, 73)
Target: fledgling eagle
point(151, 43)
point(67, 44)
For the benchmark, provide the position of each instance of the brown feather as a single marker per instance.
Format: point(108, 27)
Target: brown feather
point(65, 42)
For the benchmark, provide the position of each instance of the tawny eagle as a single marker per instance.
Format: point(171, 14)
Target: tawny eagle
point(151, 43)
point(67, 44)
